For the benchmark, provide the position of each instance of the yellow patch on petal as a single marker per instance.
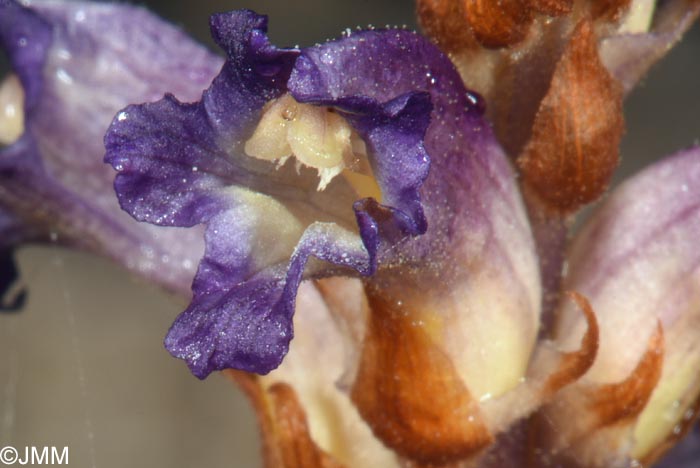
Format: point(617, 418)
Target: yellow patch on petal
point(638, 18)
point(667, 407)
point(11, 110)
point(319, 137)
point(671, 404)
point(277, 226)
point(490, 335)
point(365, 186)
point(316, 136)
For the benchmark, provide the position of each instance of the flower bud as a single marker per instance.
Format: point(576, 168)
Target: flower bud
point(573, 150)
point(637, 262)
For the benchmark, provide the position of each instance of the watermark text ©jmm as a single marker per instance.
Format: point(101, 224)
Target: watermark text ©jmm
point(34, 456)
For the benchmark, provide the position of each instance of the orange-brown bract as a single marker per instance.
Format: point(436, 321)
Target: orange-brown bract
point(444, 21)
point(410, 394)
point(573, 150)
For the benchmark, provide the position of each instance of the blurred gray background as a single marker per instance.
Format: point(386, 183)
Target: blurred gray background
point(83, 365)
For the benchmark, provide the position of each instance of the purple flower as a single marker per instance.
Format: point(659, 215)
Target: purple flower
point(185, 164)
point(399, 99)
point(636, 262)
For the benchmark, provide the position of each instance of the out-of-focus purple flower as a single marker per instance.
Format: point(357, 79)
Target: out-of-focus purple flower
point(73, 65)
point(11, 231)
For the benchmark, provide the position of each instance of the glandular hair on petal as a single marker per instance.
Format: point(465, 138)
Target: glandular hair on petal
point(11, 110)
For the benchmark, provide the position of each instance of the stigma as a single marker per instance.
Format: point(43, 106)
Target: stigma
point(317, 137)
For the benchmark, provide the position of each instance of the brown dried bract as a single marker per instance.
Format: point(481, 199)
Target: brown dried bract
point(573, 365)
point(285, 432)
point(615, 402)
point(552, 7)
point(465, 24)
point(445, 21)
point(498, 23)
point(609, 10)
point(573, 150)
point(294, 441)
point(410, 394)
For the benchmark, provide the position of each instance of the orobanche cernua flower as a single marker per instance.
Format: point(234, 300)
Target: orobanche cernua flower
point(375, 234)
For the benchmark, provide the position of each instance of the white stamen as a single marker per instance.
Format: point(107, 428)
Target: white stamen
point(269, 141)
point(316, 136)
